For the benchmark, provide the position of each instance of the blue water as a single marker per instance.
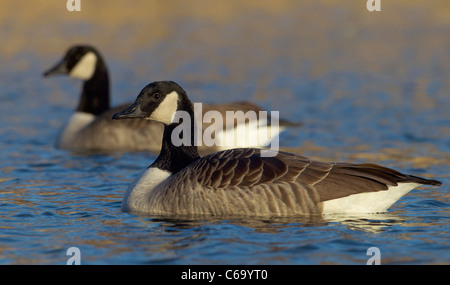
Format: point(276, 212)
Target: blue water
point(52, 199)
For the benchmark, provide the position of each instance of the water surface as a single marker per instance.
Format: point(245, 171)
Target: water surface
point(367, 88)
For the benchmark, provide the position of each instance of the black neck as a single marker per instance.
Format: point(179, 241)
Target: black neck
point(174, 158)
point(95, 94)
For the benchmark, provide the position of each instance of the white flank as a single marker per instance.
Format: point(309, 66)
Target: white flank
point(136, 196)
point(369, 202)
point(76, 123)
point(253, 134)
point(85, 67)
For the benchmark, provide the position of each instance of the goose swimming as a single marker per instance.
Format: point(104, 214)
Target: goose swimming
point(90, 128)
point(244, 182)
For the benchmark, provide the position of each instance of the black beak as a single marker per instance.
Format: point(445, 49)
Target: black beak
point(60, 68)
point(132, 111)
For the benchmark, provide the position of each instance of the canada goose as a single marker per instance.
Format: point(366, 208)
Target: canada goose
point(243, 182)
point(91, 127)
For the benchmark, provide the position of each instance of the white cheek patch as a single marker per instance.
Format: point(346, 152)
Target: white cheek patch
point(85, 67)
point(165, 112)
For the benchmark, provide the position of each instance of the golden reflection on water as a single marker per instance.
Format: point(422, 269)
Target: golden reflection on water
point(237, 44)
point(354, 36)
point(374, 223)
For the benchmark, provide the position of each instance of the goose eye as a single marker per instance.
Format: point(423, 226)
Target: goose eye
point(157, 96)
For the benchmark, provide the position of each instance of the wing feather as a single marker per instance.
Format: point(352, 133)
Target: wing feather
point(326, 181)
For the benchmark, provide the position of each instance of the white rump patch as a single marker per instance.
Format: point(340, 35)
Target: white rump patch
point(256, 133)
point(85, 67)
point(369, 202)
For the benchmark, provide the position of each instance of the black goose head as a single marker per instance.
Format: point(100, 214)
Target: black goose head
point(81, 61)
point(158, 101)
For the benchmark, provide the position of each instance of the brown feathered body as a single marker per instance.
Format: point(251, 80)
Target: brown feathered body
point(242, 182)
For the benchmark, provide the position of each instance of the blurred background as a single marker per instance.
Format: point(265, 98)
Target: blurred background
point(302, 58)
point(367, 87)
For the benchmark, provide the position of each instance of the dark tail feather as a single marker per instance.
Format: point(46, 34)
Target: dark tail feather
point(416, 179)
